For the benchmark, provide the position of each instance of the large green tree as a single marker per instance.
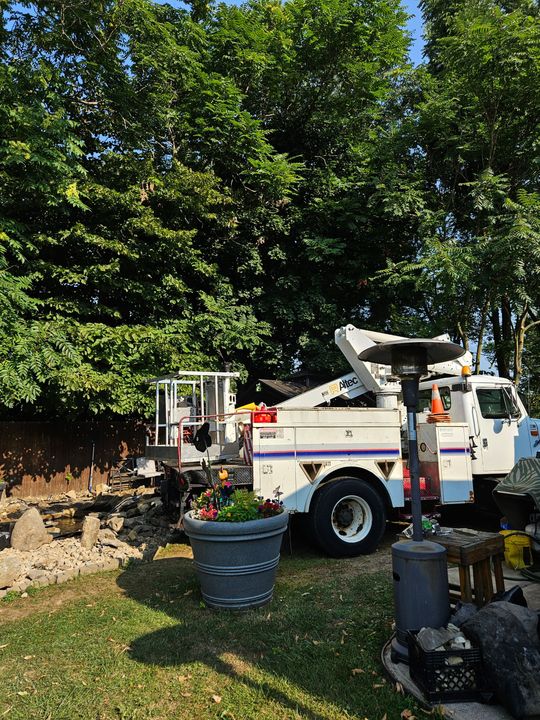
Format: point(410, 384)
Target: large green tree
point(473, 130)
point(188, 186)
point(318, 76)
point(128, 163)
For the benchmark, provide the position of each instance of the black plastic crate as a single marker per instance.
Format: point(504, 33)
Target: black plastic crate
point(439, 679)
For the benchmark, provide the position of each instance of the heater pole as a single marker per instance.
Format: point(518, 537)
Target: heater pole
point(418, 566)
point(416, 503)
point(410, 399)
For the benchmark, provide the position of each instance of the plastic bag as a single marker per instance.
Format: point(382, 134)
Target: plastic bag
point(517, 549)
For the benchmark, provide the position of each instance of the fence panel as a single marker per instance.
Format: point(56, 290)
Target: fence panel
point(47, 458)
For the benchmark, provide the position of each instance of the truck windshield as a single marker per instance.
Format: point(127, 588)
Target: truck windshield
point(424, 399)
point(497, 403)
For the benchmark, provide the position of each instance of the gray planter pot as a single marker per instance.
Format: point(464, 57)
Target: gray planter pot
point(236, 562)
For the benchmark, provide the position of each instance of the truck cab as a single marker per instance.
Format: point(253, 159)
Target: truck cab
point(500, 430)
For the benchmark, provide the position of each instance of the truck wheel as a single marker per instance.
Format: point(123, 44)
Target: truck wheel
point(347, 517)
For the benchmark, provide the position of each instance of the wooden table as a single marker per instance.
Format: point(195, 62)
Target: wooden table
point(478, 551)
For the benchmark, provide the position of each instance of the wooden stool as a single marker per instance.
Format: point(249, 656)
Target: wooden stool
point(478, 551)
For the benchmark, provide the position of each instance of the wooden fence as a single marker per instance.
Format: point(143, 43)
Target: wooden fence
point(48, 458)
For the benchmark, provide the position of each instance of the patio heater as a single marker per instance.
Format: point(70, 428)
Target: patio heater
point(419, 566)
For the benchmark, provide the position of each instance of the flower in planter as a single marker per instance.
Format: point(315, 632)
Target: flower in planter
point(207, 513)
point(223, 503)
point(269, 508)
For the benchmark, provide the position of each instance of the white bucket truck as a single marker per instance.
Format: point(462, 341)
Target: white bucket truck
point(343, 466)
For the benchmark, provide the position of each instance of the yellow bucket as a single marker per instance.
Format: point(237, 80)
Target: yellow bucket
point(517, 549)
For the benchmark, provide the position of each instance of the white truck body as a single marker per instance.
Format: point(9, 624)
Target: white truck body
point(499, 429)
point(343, 466)
point(304, 447)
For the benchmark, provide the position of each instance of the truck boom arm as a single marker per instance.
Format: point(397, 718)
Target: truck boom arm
point(352, 341)
point(367, 377)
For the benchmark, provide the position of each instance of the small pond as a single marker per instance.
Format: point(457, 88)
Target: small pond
point(64, 527)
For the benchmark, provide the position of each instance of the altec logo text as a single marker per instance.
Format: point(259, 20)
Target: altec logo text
point(336, 388)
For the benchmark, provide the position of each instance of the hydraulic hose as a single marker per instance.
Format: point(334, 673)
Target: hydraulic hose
point(533, 575)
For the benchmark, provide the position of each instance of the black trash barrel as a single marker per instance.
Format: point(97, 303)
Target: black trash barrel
point(421, 597)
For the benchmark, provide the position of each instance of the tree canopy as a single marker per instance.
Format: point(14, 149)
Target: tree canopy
point(206, 183)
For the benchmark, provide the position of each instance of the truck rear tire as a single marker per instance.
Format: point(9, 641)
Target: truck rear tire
point(347, 517)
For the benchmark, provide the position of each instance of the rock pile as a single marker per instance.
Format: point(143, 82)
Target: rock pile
point(58, 562)
point(133, 528)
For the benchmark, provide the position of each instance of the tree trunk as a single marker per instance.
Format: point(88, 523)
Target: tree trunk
point(481, 331)
point(500, 355)
point(519, 342)
point(463, 336)
point(507, 327)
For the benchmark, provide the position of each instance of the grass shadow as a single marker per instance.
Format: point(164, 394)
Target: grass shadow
point(326, 619)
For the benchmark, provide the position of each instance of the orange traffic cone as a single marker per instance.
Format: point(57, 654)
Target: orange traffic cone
point(438, 413)
point(437, 407)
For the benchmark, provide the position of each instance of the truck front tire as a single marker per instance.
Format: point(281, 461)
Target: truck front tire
point(347, 517)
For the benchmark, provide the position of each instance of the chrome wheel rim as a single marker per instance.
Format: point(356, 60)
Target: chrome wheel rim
point(352, 519)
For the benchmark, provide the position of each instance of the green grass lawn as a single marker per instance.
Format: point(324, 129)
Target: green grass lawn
point(139, 644)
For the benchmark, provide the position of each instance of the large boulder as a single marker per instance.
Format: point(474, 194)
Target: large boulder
point(29, 532)
point(90, 531)
point(507, 636)
point(10, 569)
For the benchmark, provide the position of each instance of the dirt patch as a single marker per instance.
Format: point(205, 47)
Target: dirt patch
point(379, 561)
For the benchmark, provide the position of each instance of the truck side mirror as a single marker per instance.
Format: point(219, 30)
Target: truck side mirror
point(512, 406)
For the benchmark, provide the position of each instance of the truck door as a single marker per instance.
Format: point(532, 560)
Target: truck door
point(274, 463)
point(502, 431)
